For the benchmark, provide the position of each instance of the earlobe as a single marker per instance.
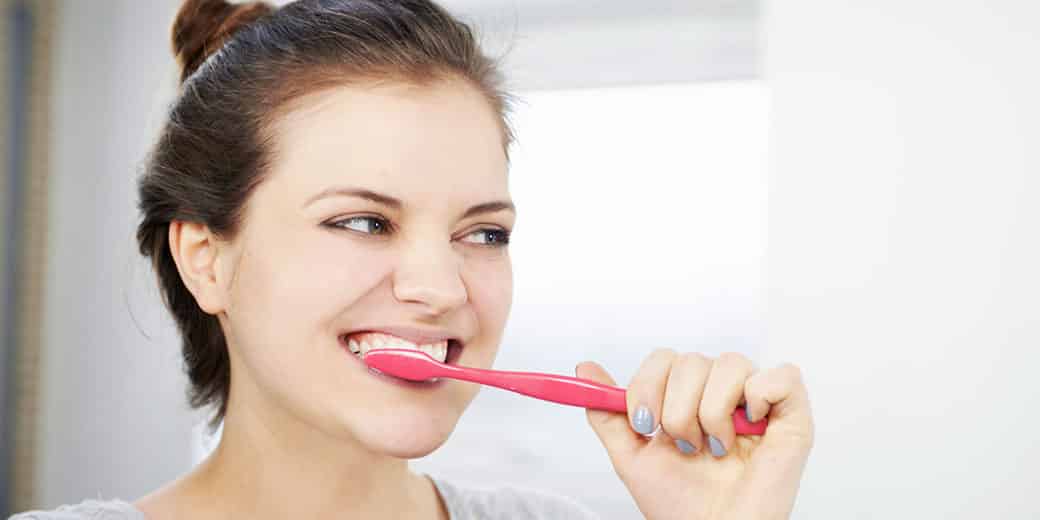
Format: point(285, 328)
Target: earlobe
point(195, 251)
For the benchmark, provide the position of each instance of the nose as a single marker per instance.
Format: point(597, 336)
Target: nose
point(430, 275)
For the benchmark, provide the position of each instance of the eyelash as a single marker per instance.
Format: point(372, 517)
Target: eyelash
point(503, 241)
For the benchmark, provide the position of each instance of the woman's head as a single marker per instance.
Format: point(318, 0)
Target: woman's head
point(330, 167)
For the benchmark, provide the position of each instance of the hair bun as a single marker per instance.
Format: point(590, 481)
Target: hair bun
point(202, 26)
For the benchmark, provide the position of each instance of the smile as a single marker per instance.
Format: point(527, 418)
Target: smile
point(360, 343)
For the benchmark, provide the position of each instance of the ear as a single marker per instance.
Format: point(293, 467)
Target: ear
point(196, 252)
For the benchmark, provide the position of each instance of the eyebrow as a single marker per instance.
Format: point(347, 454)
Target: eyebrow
point(386, 200)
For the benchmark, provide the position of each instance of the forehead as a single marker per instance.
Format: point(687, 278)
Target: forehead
point(441, 140)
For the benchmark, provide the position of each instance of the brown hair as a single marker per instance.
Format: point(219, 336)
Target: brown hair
point(240, 65)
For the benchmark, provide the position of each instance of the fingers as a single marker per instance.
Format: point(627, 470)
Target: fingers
point(780, 392)
point(645, 394)
point(682, 399)
point(612, 428)
point(722, 393)
point(690, 396)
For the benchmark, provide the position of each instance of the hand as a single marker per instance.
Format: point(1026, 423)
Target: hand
point(675, 473)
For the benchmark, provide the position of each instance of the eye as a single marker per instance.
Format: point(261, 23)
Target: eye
point(364, 224)
point(488, 237)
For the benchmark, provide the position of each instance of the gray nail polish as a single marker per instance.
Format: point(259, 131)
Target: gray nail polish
point(643, 421)
point(685, 446)
point(747, 413)
point(717, 449)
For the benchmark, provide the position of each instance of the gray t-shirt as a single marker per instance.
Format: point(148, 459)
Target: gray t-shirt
point(463, 504)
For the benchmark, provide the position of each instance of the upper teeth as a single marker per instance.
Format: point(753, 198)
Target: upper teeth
point(362, 343)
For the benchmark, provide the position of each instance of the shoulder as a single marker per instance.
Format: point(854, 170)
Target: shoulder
point(514, 502)
point(86, 510)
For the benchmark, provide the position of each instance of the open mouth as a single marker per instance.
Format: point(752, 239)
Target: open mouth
point(361, 342)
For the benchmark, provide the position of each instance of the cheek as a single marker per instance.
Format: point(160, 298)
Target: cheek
point(490, 287)
point(304, 284)
point(288, 298)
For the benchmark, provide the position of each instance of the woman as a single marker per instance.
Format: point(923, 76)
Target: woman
point(333, 178)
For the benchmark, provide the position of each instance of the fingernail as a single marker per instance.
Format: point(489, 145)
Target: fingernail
point(685, 446)
point(717, 449)
point(643, 421)
point(747, 413)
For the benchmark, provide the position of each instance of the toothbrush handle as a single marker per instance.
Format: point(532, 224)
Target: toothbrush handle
point(576, 391)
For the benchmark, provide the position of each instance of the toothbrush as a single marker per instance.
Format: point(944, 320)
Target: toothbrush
point(415, 365)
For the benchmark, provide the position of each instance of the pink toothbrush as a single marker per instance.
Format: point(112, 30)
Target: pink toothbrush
point(415, 365)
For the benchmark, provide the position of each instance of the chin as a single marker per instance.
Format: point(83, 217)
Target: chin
point(408, 438)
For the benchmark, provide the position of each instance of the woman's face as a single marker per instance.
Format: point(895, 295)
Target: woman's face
point(385, 208)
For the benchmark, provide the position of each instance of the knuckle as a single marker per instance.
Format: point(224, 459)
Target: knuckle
point(663, 352)
point(758, 380)
point(792, 372)
point(730, 356)
point(693, 360)
point(735, 359)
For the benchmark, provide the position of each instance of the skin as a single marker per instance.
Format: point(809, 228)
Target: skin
point(310, 433)
point(692, 396)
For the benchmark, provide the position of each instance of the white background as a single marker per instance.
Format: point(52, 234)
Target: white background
point(904, 240)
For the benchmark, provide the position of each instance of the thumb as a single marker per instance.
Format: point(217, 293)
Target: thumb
point(612, 428)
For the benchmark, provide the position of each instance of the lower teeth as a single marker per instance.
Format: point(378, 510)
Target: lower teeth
point(358, 354)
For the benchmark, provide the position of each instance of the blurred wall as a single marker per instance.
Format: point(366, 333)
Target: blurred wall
point(113, 415)
point(28, 28)
point(904, 240)
point(561, 44)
